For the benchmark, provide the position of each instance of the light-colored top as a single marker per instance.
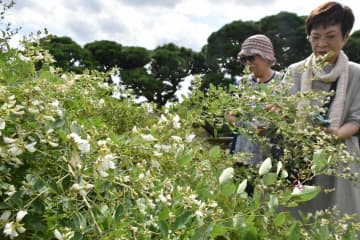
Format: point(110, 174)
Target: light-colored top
point(346, 196)
point(244, 143)
point(352, 99)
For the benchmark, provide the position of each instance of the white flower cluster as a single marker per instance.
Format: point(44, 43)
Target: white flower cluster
point(66, 235)
point(50, 138)
point(13, 228)
point(203, 209)
point(175, 121)
point(106, 159)
point(82, 188)
point(10, 106)
point(15, 147)
point(105, 163)
point(82, 144)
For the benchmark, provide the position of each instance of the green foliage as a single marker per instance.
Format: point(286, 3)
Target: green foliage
point(76, 163)
point(68, 54)
point(352, 47)
point(134, 57)
point(168, 67)
point(107, 54)
point(287, 32)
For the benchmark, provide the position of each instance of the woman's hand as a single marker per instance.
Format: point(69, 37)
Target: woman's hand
point(345, 131)
point(231, 118)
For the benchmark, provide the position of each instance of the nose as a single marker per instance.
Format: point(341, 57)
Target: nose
point(322, 42)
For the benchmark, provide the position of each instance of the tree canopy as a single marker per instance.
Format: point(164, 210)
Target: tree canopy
point(68, 55)
point(157, 74)
point(105, 53)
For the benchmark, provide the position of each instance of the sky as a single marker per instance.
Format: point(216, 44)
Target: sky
point(148, 23)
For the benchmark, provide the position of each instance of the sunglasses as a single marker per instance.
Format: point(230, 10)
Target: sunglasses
point(245, 59)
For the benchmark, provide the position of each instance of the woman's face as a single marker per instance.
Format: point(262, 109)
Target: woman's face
point(257, 65)
point(327, 39)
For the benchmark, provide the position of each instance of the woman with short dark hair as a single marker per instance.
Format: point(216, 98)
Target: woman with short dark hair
point(328, 28)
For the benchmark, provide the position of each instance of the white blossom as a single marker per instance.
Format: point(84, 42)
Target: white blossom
point(83, 144)
point(82, 188)
point(157, 154)
point(155, 164)
point(10, 230)
point(176, 122)
point(36, 102)
point(9, 140)
point(163, 119)
point(11, 190)
point(2, 124)
point(279, 167)
point(265, 167)
point(162, 198)
point(14, 150)
point(55, 103)
point(5, 216)
point(37, 88)
point(134, 130)
point(23, 58)
point(20, 215)
point(198, 213)
point(148, 138)
point(190, 138)
point(63, 236)
point(49, 118)
point(226, 175)
point(176, 139)
point(101, 103)
point(242, 187)
point(31, 147)
point(58, 235)
point(101, 143)
point(106, 163)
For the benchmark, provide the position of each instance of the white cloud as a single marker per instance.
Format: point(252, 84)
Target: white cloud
point(148, 23)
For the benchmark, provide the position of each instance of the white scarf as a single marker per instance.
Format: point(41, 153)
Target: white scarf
point(340, 72)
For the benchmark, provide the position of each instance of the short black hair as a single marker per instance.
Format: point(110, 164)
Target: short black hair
point(331, 13)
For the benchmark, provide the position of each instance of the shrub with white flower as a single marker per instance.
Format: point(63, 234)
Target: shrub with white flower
point(12, 229)
point(97, 167)
point(82, 144)
point(104, 164)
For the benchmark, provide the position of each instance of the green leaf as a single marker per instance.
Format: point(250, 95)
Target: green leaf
point(202, 233)
point(184, 158)
point(280, 219)
point(251, 233)
point(53, 185)
point(215, 152)
point(164, 213)
point(3, 206)
point(79, 221)
point(324, 232)
point(273, 202)
point(269, 178)
point(219, 230)
point(164, 229)
point(306, 194)
point(78, 236)
point(293, 232)
point(181, 220)
point(227, 188)
point(119, 213)
point(320, 160)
